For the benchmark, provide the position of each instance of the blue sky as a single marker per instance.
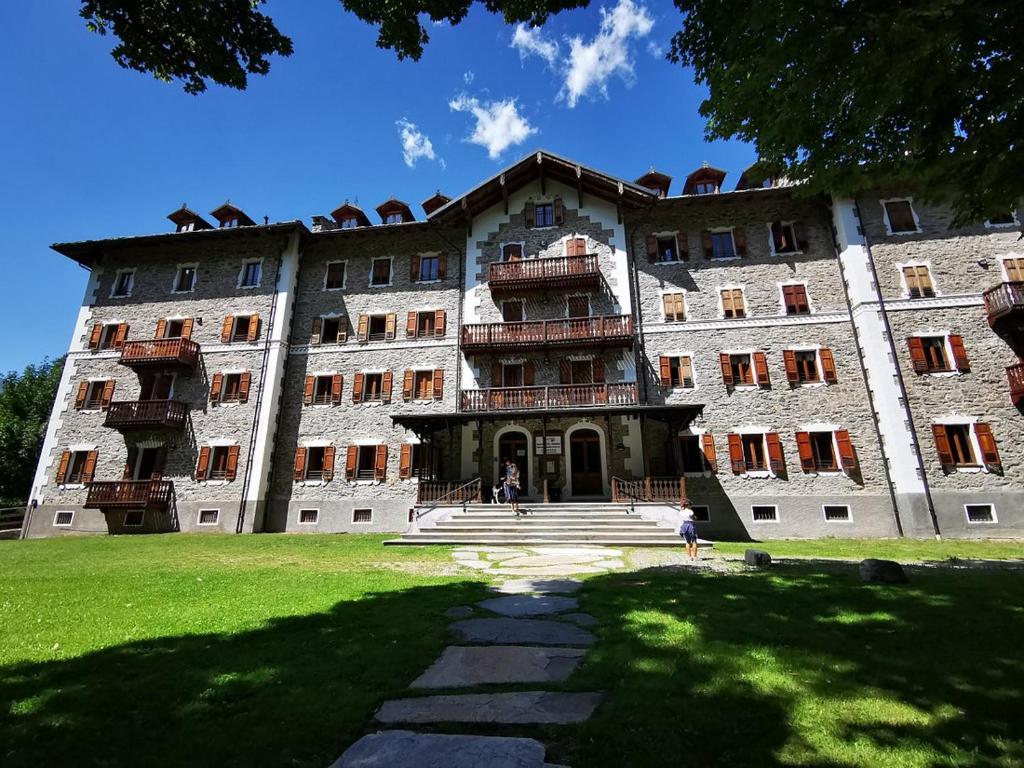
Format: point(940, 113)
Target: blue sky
point(96, 151)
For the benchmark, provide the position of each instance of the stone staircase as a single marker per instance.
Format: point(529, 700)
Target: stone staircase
point(559, 524)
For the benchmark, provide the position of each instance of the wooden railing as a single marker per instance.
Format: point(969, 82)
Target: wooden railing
point(545, 398)
point(1003, 299)
point(649, 489)
point(160, 352)
point(450, 491)
point(130, 494)
point(138, 414)
point(602, 330)
point(566, 271)
point(1015, 376)
point(11, 521)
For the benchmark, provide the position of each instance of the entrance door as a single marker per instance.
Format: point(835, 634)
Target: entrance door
point(150, 462)
point(585, 461)
point(513, 445)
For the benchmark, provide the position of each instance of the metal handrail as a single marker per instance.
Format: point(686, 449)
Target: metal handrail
point(438, 501)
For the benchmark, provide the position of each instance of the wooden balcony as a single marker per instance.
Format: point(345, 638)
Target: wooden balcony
point(130, 494)
point(547, 398)
point(1004, 305)
point(127, 415)
point(1015, 377)
point(161, 353)
point(575, 332)
point(530, 274)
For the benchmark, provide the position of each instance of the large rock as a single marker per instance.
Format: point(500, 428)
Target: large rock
point(405, 749)
point(884, 571)
point(521, 708)
point(461, 667)
point(757, 558)
point(516, 631)
point(529, 605)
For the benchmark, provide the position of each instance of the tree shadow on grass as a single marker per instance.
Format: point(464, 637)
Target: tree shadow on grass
point(295, 692)
point(795, 666)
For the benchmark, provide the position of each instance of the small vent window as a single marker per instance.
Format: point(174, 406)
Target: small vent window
point(309, 516)
point(209, 516)
point(837, 513)
point(765, 513)
point(63, 519)
point(362, 515)
point(980, 513)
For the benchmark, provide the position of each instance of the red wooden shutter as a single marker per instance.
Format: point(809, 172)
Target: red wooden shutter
point(414, 268)
point(89, 467)
point(989, 450)
point(121, 336)
point(803, 446)
point(707, 441)
point(337, 381)
point(597, 366)
point(407, 386)
point(363, 328)
point(496, 374)
point(244, 383)
point(942, 447)
point(529, 214)
point(739, 238)
point(917, 358)
point(828, 366)
point(357, 388)
point(62, 467)
point(564, 371)
point(558, 211)
point(847, 457)
point(959, 353)
point(351, 457)
point(300, 463)
point(186, 328)
point(726, 364)
point(439, 329)
point(225, 329)
point(95, 335)
point(709, 245)
point(405, 461)
point(442, 266)
point(380, 464)
point(410, 325)
point(789, 358)
point(736, 454)
point(775, 460)
point(800, 233)
point(231, 465)
point(390, 321)
point(254, 328)
point(316, 336)
point(386, 383)
point(652, 248)
point(328, 463)
point(83, 390)
point(683, 244)
point(216, 385)
point(438, 384)
point(203, 465)
point(761, 368)
point(108, 394)
point(161, 328)
point(308, 389)
point(665, 370)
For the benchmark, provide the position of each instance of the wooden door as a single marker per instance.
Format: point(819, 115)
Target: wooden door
point(514, 445)
point(585, 463)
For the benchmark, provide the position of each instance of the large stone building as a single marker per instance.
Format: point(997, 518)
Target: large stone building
point(797, 366)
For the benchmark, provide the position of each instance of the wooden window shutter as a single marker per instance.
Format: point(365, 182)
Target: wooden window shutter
point(108, 394)
point(351, 457)
point(597, 367)
point(161, 328)
point(307, 390)
point(390, 322)
point(186, 328)
point(300, 463)
point(410, 324)
point(828, 366)
point(708, 243)
point(407, 386)
point(989, 451)
point(414, 268)
point(665, 371)
point(405, 461)
point(496, 374)
point(62, 466)
point(736, 454)
point(439, 318)
point(529, 214)
point(564, 371)
point(244, 383)
point(438, 384)
point(789, 359)
point(316, 336)
point(775, 459)
point(917, 358)
point(739, 239)
point(942, 447)
point(761, 368)
point(357, 388)
point(387, 380)
point(203, 465)
point(380, 464)
point(337, 382)
point(558, 209)
point(707, 442)
point(121, 336)
point(343, 328)
point(83, 391)
point(652, 248)
point(328, 471)
point(442, 266)
point(225, 329)
point(95, 335)
point(726, 364)
point(800, 233)
point(683, 244)
point(363, 328)
point(254, 328)
point(847, 457)
point(231, 465)
point(529, 373)
point(956, 343)
point(803, 447)
point(216, 385)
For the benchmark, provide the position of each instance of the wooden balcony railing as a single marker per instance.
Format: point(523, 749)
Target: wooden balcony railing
point(130, 494)
point(1015, 377)
point(146, 414)
point(600, 331)
point(449, 491)
point(545, 398)
point(670, 489)
point(1004, 299)
point(182, 353)
point(561, 272)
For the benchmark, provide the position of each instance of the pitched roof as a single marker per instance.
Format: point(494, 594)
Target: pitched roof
point(226, 212)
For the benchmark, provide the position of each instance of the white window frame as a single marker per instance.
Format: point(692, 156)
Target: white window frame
point(241, 274)
point(732, 236)
point(746, 304)
point(972, 435)
point(194, 266)
point(216, 519)
point(817, 362)
point(344, 280)
point(676, 235)
point(753, 368)
point(831, 429)
point(335, 316)
point(948, 347)
point(763, 432)
point(903, 278)
point(990, 505)
point(771, 239)
point(130, 271)
point(775, 520)
point(849, 513)
point(544, 201)
point(362, 522)
point(93, 382)
point(1014, 223)
point(316, 518)
point(60, 512)
point(522, 246)
point(782, 298)
point(913, 212)
point(693, 373)
point(391, 272)
point(686, 303)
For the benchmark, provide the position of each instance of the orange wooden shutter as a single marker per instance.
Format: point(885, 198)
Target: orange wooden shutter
point(95, 335)
point(315, 337)
point(203, 465)
point(363, 328)
point(708, 243)
point(108, 394)
point(564, 372)
point(300, 463)
point(351, 456)
point(405, 461)
point(439, 316)
point(414, 268)
point(328, 463)
point(410, 325)
point(62, 466)
point(828, 366)
point(83, 390)
point(761, 368)
point(847, 456)
point(652, 248)
point(917, 358)
point(775, 459)
point(442, 266)
point(337, 382)
point(244, 382)
point(307, 390)
point(942, 446)
point(956, 343)
point(407, 385)
point(803, 446)
point(380, 464)
point(558, 209)
point(665, 369)
point(789, 358)
point(989, 450)
point(89, 468)
point(121, 336)
point(438, 384)
point(343, 328)
point(800, 233)
point(216, 385)
point(254, 328)
point(529, 373)
point(529, 214)
point(726, 364)
point(231, 465)
point(161, 328)
point(389, 325)
point(597, 366)
point(707, 441)
point(387, 381)
point(736, 454)
point(186, 328)
point(496, 374)
point(739, 238)
point(225, 329)
point(683, 244)
point(357, 388)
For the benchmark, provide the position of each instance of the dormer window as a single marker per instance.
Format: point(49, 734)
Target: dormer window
point(188, 226)
point(229, 223)
point(393, 218)
point(705, 188)
point(349, 222)
point(230, 216)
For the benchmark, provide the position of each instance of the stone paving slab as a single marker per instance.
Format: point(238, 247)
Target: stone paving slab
point(538, 586)
point(583, 619)
point(521, 708)
point(460, 666)
point(406, 749)
point(537, 561)
point(609, 564)
point(529, 605)
point(554, 570)
point(603, 551)
point(517, 631)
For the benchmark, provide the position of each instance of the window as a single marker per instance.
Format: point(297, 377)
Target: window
point(823, 455)
point(185, 279)
point(134, 518)
point(423, 385)
point(323, 388)
point(393, 218)
point(373, 387)
point(837, 513)
point(794, 299)
point(733, 305)
point(784, 237)
point(311, 516)
point(722, 246)
point(334, 279)
point(377, 328)
point(366, 458)
point(742, 370)
point(577, 306)
point(319, 463)
point(416, 460)
point(576, 246)
point(966, 446)
point(229, 223)
point(329, 330)
point(934, 348)
point(91, 395)
point(701, 513)
point(156, 386)
point(692, 455)
point(430, 268)
point(976, 513)
point(581, 372)
point(221, 465)
point(899, 217)
point(676, 372)
point(544, 215)
point(240, 327)
point(234, 387)
point(754, 457)
point(174, 328)
point(1004, 220)
point(806, 366)
point(252, 274)
point(959, 437)
point(63, 519)
point(424, 324)
point(512, 252)
point(123, 281)
point(673, 306)
point(208, 517)
point(76, 467)
point(512, 375)
point(919, 282)
point(108, 336)
point(765, 513)
point(349, 222)
point(362, 515)
point(667, 250)
point(705, 188)
point(380, 273)
point(513, 311)
point(1014, 268)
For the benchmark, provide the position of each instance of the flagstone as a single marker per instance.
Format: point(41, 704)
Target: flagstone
point(464, 666)
point(520, 708)
point(517, 631)
point(529, 605)
point(406, 749)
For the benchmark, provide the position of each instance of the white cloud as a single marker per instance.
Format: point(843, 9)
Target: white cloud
point(655, 50)
point(415, 144)
point(498, 123)
point(530, 41)
point(468, 76)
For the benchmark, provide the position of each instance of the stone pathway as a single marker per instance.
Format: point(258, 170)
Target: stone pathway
point(539, 561)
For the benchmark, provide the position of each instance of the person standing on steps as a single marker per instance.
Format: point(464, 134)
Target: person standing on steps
point(688, 530)
point(512, 485)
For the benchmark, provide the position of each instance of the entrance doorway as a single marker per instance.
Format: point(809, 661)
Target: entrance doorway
point(143, 463)
point(515, 446)
point(585, 463)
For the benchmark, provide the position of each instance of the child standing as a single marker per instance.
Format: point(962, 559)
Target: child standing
point(688, 530)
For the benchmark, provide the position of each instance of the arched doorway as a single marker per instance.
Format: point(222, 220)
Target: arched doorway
point(586, 465)
point(515, 445)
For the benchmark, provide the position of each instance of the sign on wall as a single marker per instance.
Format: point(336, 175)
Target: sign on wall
point(552, 446)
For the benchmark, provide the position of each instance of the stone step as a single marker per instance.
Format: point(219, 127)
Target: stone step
point(520, 708)
point(569, 539)
point(507, 631)
point(541, 526)
point(407, 749)
point(468, 666)
point(545, 520)
point(554, 534)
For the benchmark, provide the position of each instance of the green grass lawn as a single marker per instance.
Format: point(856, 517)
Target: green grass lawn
point(903, 550)
point(276, 650)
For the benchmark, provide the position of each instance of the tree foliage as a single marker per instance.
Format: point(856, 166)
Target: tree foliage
point(25, 403)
